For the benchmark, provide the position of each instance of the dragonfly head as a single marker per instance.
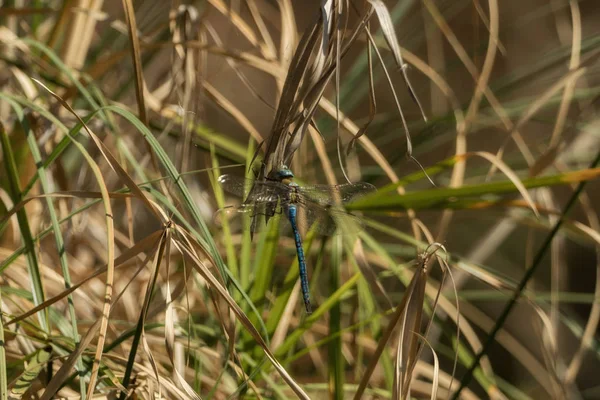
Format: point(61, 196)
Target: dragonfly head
point(284, 173)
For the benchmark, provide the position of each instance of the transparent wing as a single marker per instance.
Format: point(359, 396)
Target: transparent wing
point(260, 213)
point(328, 195)
point(260, 192)
point(326, 220)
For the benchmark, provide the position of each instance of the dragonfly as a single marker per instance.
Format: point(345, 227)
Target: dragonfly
point(318, 206)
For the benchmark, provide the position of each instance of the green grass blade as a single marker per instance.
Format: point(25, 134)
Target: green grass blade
point(267, 248)
point(206, 239)
point(334, 353)
point(27, 378)
point(15, 193)
point(3, 371)
point(245, 252)
point(60, 245)
point(232, 261)
point(292, 338)
point(383, 200)
point(63, 68)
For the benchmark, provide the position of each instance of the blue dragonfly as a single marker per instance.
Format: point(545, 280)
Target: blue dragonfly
point(315, 207)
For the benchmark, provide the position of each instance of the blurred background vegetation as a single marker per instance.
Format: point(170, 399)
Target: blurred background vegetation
point(477, 275)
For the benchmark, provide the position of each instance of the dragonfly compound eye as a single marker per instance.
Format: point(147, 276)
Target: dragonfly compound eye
point(285, 173)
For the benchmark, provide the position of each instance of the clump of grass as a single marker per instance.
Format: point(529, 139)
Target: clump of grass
point(117, 278)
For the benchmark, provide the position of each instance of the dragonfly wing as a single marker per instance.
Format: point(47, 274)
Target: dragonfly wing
point(326, 220)
point(260, 192)
point(327, 194)
point(235, 184)
point(260, 213)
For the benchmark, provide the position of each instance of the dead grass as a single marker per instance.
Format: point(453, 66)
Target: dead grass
point(476, 121)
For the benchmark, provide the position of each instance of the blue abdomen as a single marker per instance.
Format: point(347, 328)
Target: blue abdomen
point(293, 215)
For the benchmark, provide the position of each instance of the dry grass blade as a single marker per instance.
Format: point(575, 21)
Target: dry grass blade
point(389, 33)
point(548, 95)
point(240, 24)
point(147, 243)
point(232, 110)
point(594, 317)
point(60, 195)
point(150, 288)
point(386, 335)
point(408, 349)
point(310, 72)
point(409, 148)
point(137, 60)
point(436, 369)
point(565, 101)
point(63, 373)
point(426, 260)
point(372, 99)
point(275, 146)
point(170, 329)
point(233, 64)
point(79, 32)
point(176, 302)
point(550, 353)
point(270, 48)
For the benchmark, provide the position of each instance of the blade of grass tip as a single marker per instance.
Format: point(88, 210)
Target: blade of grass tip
point(3, 371)
point(33, 267)
point(336, 358)
point(436, 368)
point(523, 283)
point(60, 244)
